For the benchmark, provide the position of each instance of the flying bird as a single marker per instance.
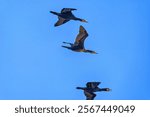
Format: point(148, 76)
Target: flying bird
point(90, 88)
point(78, 45)
point(65, 16)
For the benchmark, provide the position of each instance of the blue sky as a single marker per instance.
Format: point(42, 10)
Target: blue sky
point(33, 65)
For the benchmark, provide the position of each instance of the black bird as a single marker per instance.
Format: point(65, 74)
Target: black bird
point(78, 45)
point(90, 88)
point(65, 16)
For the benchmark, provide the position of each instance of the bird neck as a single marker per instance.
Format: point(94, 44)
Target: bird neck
point(103, 89)
point(77, 19)
point(89, 51)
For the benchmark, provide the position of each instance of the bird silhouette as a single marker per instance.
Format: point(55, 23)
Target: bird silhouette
point(65, 16)
point(90, 88)
point(78, 45)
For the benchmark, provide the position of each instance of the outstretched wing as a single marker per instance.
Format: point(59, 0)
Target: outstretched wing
point(60, 21)
point(92, 85)
point(89, 96)
point(81, 37)
point(67, 10)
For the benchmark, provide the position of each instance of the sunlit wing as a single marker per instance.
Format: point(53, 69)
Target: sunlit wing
point(81, 37)
point(61, 21)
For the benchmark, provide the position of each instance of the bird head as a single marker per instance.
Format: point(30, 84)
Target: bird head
point(108, 89)
point(84, 21)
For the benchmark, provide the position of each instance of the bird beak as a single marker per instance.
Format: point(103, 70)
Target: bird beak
point(95, 53)
point(109, 89)
point(85, 21)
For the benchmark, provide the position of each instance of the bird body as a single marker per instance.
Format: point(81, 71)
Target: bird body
point(90, 88)
point(78, 45)
point(65, 16)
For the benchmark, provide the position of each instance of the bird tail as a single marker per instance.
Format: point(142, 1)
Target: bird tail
point(79, 88)
point(55, 13)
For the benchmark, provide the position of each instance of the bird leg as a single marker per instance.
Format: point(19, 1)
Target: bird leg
point(68, 43)
point(80, 88)
point(66, 47)
point(55, 13)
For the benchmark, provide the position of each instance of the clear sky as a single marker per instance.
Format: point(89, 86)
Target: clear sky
point(33, 65)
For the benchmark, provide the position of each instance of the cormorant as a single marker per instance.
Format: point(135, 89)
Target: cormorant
point(90, 88)
point(78, 45)
point(65, 16)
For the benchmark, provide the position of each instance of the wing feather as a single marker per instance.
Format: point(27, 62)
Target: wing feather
point(60, 21)
point(81, 37)
point(67, 10)
point(89, 96)
point(92, 85)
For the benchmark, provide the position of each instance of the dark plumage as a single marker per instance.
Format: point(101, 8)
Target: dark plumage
point(90, 88)
point(78, 45)
point(65, 16)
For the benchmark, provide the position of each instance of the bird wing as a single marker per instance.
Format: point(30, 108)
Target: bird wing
point(81, 37)
point(92, 85)
point(60, 21)
point(67, 10)
point(89, 96)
